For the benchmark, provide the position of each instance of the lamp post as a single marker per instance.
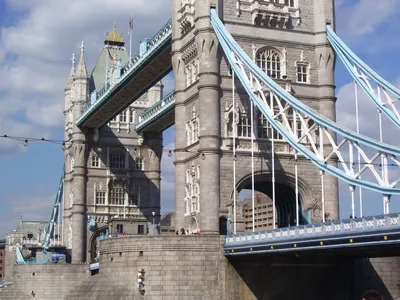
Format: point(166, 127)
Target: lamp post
point(153, 213)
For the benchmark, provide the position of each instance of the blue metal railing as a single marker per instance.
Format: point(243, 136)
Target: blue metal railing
point(156, 110)
point(341, 227)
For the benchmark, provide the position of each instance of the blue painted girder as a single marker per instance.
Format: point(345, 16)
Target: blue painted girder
point(361, 232)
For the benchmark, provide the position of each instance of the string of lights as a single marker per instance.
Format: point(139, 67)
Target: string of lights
point(26, 140)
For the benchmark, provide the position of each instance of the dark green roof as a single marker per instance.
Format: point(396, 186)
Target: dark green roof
point(98, 76)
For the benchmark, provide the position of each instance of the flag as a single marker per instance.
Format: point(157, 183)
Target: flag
point(130, 25)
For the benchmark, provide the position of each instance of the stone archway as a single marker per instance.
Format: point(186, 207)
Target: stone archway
point(372, 295)
point(93, 243)
point(285, 197)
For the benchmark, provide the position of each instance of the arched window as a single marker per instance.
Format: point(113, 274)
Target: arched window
point(270, 62)
point(117, 160)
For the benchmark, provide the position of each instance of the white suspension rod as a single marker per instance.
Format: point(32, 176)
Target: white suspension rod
point(382, 156)
point(273, 177)
point(351, 187)
point(295, 169)
point(234, 150)
point(297, 188)
point(321, 149)
point(323, 196)
point(252, 145)
point(58, 222)
point(351, 158)
point(252, 160)
point(358, 150)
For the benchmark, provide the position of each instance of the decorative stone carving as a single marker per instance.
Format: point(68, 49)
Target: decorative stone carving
point(140, 140)
point(189, 53)
point(189, 57)
point(317, 208)
point(270, 14)
point(186, 15)
point(302, 57)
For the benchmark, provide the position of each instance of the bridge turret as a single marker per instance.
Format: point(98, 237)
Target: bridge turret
point(155, 93)
point(78, 159)
point(67, 97)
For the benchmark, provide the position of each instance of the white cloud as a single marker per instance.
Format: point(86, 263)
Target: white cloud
point(365, 16)
point(368, 114)
point(36, 208)
point(35, 52)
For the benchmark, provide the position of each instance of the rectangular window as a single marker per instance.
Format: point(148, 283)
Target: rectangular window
point(117, 196)
point(302, 73)
point(131, 115)
point(140, 229)
point(122, 117)
point(290, 3)
point(262, 126)
point(95, 161)
point(134, 200)
point(244, 127)
point(138, 164)
point(120, 228)
point(195, 134)
point(100, 197)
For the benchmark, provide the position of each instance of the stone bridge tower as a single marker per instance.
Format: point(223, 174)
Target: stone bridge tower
point(287, 39)
point(110, 172)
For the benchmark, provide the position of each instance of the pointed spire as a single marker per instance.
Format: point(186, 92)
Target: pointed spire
point(72, 72)
point(114, 37)
point(81, 70)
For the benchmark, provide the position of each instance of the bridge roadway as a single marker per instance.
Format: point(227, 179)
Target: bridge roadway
point(130, 81)
point(361, 237)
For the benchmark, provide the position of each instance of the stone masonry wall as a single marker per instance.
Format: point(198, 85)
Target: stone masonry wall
point(44, 282)
point(176, 267)
point(380, 274)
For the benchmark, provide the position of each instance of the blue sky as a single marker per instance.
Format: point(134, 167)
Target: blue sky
point(37, 39)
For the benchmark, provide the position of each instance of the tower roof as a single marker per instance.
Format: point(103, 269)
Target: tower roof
point(81, 70)
point(72, 72)
point(114, 37)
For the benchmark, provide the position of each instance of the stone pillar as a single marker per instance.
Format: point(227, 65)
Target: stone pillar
point(79, 152)
point(180, 119)
point(154, 142)
point(209, 103)
point(324, 14)
point(79, 218)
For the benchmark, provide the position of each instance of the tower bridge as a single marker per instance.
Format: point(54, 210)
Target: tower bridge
point(253, 108)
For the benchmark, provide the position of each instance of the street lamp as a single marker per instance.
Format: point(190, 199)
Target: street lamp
point(153, 213)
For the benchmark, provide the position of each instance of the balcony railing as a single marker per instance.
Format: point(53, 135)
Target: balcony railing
point(341, 227)
point(155, 111)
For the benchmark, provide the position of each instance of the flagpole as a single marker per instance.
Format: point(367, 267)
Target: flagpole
point(130, 37)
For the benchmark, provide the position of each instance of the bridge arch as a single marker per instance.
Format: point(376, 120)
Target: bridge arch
point(93, 242)
point(285, 197)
